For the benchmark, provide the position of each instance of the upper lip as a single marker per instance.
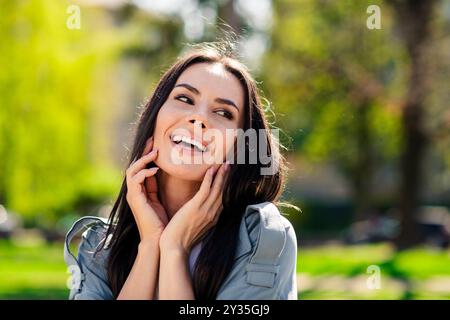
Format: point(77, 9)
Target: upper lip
point(199, 143)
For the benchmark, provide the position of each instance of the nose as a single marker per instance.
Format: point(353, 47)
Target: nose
point(198, 122)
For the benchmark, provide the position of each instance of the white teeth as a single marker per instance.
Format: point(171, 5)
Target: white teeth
point(179, 138)
point(176, 139)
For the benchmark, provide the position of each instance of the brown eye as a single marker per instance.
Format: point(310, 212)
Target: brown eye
point(184, 99)
point(225, 114)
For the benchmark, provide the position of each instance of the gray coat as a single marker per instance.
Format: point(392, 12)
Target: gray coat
point(264, 265)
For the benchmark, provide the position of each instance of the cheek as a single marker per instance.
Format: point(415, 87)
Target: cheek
point(163, 121)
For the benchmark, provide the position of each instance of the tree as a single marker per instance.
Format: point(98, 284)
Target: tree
point(414, 18)
point(333, 83)
point(62, 97)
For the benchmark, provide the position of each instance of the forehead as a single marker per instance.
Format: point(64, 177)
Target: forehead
point(213, 80)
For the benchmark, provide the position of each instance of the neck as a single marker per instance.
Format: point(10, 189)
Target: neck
point(174, 192)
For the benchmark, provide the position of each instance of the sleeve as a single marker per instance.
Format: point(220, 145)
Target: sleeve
point(268, 271)
point(89, 279)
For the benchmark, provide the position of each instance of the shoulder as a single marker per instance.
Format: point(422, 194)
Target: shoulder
point(92, 254)
point(94, 234)
point(266, 215)
point(266, 256)
point(272, 249)
point(269, 232)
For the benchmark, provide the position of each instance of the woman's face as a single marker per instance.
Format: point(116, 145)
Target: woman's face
point(196, 126)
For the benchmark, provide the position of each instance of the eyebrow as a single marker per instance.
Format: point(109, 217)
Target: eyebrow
point(195, 91)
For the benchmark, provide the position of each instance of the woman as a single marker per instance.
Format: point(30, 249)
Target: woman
point(183, 227)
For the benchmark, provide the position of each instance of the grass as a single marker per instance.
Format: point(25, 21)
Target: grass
point(349, 260)
point(32, 272)
point(340, 272)
point(419, 263)
point(329, 272)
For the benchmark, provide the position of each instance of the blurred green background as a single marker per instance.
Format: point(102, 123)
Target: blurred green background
point(364, 113)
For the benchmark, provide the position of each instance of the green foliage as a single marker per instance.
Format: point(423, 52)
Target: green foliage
point(45, 86)
point(331, 78)
point(61, 91)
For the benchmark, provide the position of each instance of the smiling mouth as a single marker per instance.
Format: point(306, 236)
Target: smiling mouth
point(188, 143)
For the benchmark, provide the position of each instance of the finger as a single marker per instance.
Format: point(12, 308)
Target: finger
point(217, 186)
point(203, 191)
point(145, 173)
point(153, 196)
point(151, 187)
point(141, 163)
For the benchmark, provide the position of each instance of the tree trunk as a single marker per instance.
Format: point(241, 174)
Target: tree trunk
point(413, 17)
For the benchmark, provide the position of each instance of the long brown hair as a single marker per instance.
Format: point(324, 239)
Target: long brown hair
point(245, 185)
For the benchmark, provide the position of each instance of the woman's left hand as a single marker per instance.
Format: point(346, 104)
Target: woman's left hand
point(198, 215)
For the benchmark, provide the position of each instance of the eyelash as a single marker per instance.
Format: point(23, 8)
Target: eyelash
point(227, 114)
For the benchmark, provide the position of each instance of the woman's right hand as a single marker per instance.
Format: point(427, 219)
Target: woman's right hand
point(142, 195)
